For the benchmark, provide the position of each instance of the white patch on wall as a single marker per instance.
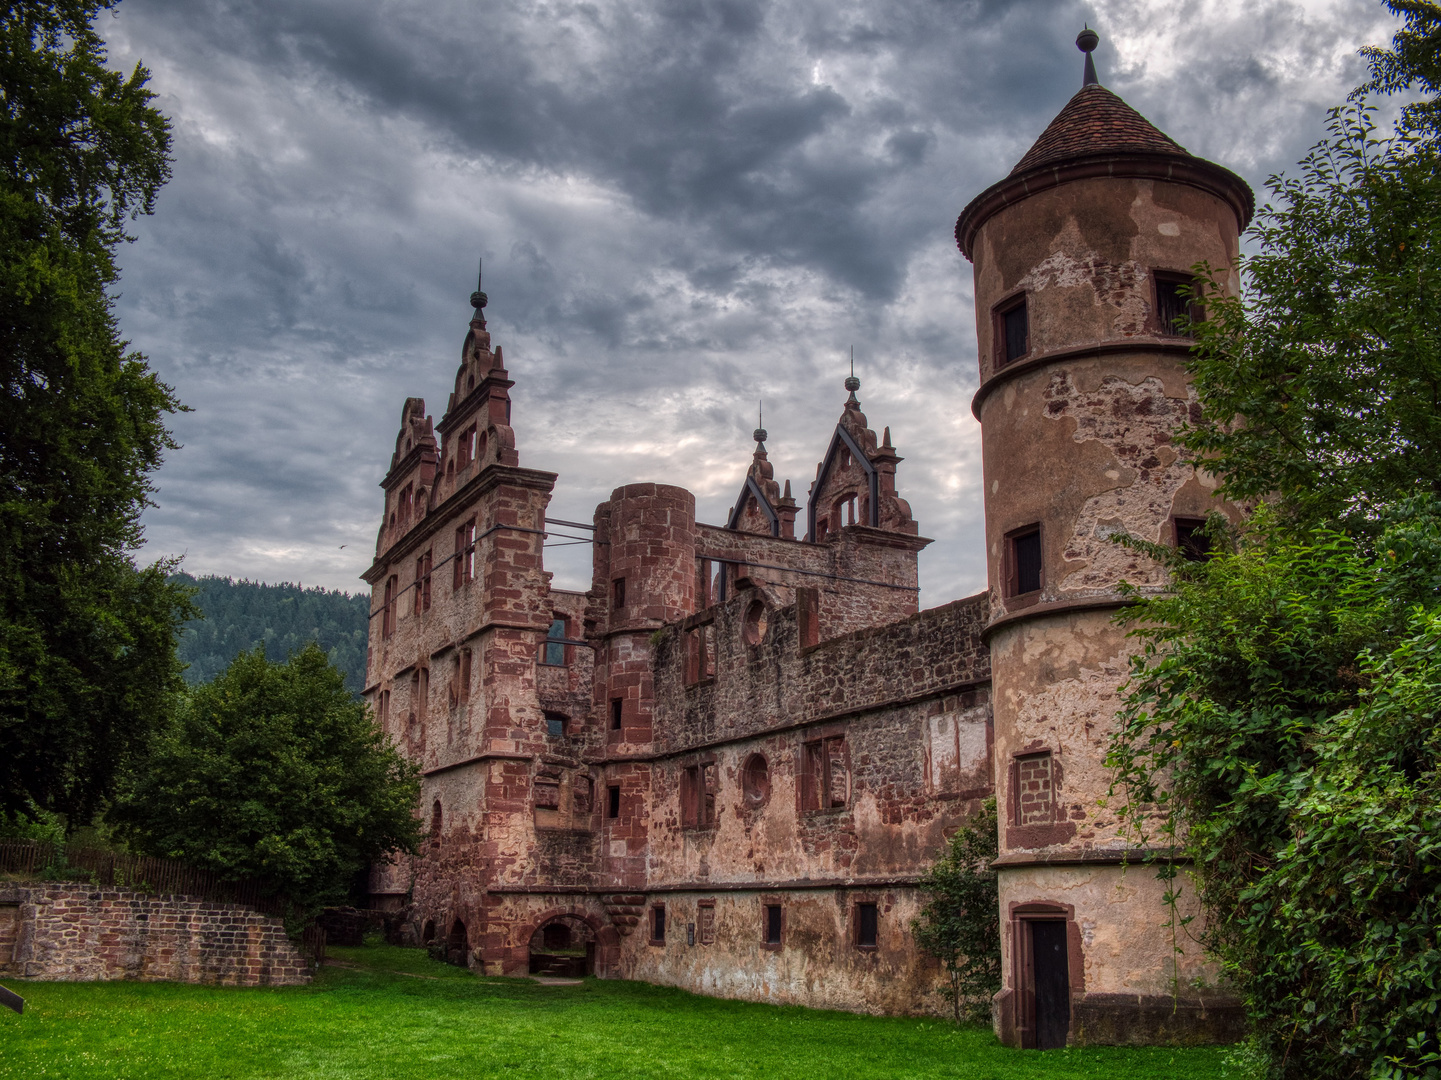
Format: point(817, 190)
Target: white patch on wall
point(956, 751)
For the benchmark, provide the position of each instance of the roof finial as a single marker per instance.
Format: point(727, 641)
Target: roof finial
point(478, 299)
point(1086, 41)
point(759, 434)
point(852, 383)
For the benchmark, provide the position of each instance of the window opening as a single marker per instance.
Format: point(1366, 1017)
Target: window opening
point(554, 646)
point(387, 617)
point(1175, 312)
point(422, 584)
point(465, 662)
point(1025, 553)
point(435, 823)
point(657, 924)
point(1191, 539)
point(464, 554)
point(773, 924)
point(612, 801)
point(825, 783)
point(555, 723)
point(420, 686)
point(1015, 332)
point(867, 926)
point(616, 707)
point(617, 591)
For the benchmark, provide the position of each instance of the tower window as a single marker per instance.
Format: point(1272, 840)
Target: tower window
point(1191, 539)
point(612, 801)
point(555, 723)
point(1175, 311)
point(1024, 553)
point(1013, 328)
point(617, 589)
point(617, 705)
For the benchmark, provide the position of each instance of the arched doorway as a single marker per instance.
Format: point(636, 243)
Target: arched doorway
point(564, 945)
point(456, 945)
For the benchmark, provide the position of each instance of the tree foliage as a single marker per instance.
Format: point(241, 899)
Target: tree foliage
point(960, 924)
point(274, 771)
point(87, 655)
point(1283, 724)
point(236, 616)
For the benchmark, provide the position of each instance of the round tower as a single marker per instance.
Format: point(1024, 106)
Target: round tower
point(1082, 255)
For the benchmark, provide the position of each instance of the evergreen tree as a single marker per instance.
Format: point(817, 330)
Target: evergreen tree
point(87, 650)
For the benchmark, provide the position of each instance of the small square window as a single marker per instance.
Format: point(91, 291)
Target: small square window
point(555, 723)
point(1024, 554)
point(612, 801)
point(867, 926)
point(773, 924)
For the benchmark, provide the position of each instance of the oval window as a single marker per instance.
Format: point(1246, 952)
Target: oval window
point(756, 782)
point(755, 623)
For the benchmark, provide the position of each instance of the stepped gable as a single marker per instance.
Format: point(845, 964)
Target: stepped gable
point(1096, 121)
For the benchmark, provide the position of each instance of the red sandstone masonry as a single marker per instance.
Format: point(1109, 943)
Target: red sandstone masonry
point(79, 933)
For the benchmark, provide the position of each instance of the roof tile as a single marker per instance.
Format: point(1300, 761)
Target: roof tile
point(1096, 121)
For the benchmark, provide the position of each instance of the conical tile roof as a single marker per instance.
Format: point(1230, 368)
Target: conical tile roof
point(1093, 122)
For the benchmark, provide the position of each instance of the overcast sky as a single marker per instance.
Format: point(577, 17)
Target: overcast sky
point(683, 206)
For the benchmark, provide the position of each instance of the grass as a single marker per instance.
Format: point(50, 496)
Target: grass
point(375, 1019)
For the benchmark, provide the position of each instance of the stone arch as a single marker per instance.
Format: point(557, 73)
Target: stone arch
point(607, 940)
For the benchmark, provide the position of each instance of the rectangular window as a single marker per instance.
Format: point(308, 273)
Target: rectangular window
point(867, 925)
point(657, 924)
point(773, 924)
point(1174, 312)
point(1024, 555)
point(421, 684)
point(1191, 539)
point(422, 583)
point(616, 707)
point(612, 801)
point(464, 554)
point(705, 922)
point(1013, 329)
point(554, 648)
point(1034, 802)
point(387, 613)
point(617, 593)
point(383, 707)
point(825, 777)
point(698, 789)
point(555, 723)
point(464, 664)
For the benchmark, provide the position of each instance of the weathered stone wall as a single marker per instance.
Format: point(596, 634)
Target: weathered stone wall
point(73, 932)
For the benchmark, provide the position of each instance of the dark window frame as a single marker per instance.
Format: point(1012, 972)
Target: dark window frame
point(773, 924)
point(657, 924)
point(1003, 353)
point(617, 713)
point(612, 802)
point(1189, 538)
point(1012, 563)
point(860, 931)
point(1167, 306)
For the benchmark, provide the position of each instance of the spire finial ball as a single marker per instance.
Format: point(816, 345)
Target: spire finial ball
point(852, 383)
point(1087, 40)
point(759, 434)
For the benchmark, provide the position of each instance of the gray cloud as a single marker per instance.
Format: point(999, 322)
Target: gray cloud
point(683, 205)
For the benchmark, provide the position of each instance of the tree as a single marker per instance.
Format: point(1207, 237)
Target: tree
point(960, 924)
point(87, 654)
point(275, 772)
point(1333, 357)
point(1283, 719)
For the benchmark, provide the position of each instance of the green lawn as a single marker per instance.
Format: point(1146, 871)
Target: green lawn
point(370, 1021)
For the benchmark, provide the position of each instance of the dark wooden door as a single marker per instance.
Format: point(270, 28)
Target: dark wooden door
point(1052, 982)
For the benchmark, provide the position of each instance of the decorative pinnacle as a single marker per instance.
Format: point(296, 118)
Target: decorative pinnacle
point(852, 383)
point(759, 434)
point(1086, 41)
point(478, 299)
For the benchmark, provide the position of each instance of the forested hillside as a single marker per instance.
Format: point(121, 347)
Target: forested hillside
point(238, 615)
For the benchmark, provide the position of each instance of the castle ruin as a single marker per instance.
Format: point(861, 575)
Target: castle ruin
point(725, 766)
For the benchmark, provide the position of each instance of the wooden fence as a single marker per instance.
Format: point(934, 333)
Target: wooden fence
point(41, 859)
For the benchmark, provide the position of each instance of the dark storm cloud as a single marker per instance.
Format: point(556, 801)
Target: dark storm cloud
point(683, 206)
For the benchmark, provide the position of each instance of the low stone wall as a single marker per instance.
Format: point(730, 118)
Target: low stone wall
point(73, 932)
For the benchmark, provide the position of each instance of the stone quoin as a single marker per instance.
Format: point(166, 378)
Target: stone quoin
point(726, 764)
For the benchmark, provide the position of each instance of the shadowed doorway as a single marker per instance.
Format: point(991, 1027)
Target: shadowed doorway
point(563, 946)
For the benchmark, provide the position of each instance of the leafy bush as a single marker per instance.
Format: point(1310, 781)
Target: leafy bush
point(960, 924)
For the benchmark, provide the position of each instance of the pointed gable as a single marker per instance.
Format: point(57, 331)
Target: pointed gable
point(855, 482)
